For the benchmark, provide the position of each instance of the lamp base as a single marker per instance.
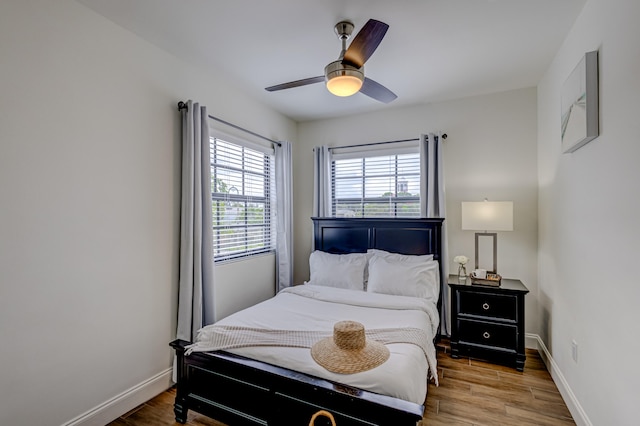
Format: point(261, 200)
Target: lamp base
point(494, 237)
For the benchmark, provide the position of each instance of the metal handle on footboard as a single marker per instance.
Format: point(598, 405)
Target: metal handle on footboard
point(322, 413)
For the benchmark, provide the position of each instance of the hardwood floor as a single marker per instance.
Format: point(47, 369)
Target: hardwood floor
point(471, 392)
point(158, 412)
point(474, 392)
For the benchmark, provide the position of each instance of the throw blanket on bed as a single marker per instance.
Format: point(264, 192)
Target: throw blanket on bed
point(218, 337)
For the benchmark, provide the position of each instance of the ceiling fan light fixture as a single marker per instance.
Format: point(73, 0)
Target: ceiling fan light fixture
point(344, 85)
point(343, 80)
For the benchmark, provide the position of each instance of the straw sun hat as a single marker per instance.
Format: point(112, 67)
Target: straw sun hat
point(348, 351)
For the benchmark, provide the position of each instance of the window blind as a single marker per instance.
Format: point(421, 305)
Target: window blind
point(376, 186)
point(243, 199)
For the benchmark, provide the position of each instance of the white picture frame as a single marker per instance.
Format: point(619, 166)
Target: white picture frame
point(579, 104)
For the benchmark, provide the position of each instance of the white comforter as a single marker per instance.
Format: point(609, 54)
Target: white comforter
point(317, 308)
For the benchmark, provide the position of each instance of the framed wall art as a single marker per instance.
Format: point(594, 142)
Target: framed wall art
point(579, 104)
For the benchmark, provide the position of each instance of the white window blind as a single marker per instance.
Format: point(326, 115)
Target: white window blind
point(376, 186)
point(243, 200)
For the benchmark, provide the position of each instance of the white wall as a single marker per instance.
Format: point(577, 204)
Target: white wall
point(236, 281)
point(89, 206)
point(490, 152)
point(588, 217)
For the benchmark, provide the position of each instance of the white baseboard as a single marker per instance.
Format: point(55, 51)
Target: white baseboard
point(579, 415)
point(531, 341)
point(126, 401)
point(142, 392)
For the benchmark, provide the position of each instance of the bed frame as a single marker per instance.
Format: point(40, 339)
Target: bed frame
point(242, 391)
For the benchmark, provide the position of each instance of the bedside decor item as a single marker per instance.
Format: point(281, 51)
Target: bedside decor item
point(479, 273)
point(579, 104)
point(487, 216)
point(492, 280)
point(462, 270)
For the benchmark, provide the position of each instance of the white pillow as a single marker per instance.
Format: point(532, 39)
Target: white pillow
point(415, 279)
point(338, 270)
point(397, 257)
point(393, 257)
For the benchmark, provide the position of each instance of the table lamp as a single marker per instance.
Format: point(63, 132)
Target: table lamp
point(487, 216)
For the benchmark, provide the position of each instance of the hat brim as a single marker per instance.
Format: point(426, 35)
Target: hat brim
point(348, 361)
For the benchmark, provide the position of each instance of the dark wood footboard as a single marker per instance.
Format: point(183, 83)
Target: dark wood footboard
point(241, 391)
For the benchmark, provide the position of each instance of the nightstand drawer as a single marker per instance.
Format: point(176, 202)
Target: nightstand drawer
point(488, 334)
point(502, 306)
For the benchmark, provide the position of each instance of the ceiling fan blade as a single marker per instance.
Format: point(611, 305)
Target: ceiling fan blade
point(296, 83)
point(365, 43)
point(377, 91)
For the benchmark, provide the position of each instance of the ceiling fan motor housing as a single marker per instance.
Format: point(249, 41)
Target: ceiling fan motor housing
point(337, 68)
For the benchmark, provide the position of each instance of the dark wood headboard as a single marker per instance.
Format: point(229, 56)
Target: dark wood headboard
point(398, 235)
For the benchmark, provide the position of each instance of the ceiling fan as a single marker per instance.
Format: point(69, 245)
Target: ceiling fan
point(345, 76)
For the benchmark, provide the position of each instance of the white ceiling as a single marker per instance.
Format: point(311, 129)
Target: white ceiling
point(434, 50)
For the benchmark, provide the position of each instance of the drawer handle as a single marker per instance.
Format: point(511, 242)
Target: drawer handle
point(486, 335)
point(485, 306)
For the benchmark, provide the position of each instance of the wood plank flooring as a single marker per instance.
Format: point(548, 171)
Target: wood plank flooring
point(471, 393)
point(474, 392)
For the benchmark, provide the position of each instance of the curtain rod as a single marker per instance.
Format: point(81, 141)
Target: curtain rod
point(182, 105)
point(444, 136)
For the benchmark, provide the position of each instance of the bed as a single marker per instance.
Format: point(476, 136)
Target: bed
point(234, 387)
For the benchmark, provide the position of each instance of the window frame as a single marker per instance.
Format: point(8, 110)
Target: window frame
point(362, 154)
point(267, 200)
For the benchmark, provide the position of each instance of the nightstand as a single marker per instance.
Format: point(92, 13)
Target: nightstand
point(488, 322)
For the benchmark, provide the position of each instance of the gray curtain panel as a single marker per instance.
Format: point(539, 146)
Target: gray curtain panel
point(284, 215)
point(195, 300)
point(321, 181)
point(433, 204)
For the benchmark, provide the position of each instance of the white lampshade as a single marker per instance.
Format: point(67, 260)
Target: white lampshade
point(487, 215)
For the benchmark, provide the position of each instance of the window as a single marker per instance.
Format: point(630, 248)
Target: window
point(376, 185)
point(243, 199)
